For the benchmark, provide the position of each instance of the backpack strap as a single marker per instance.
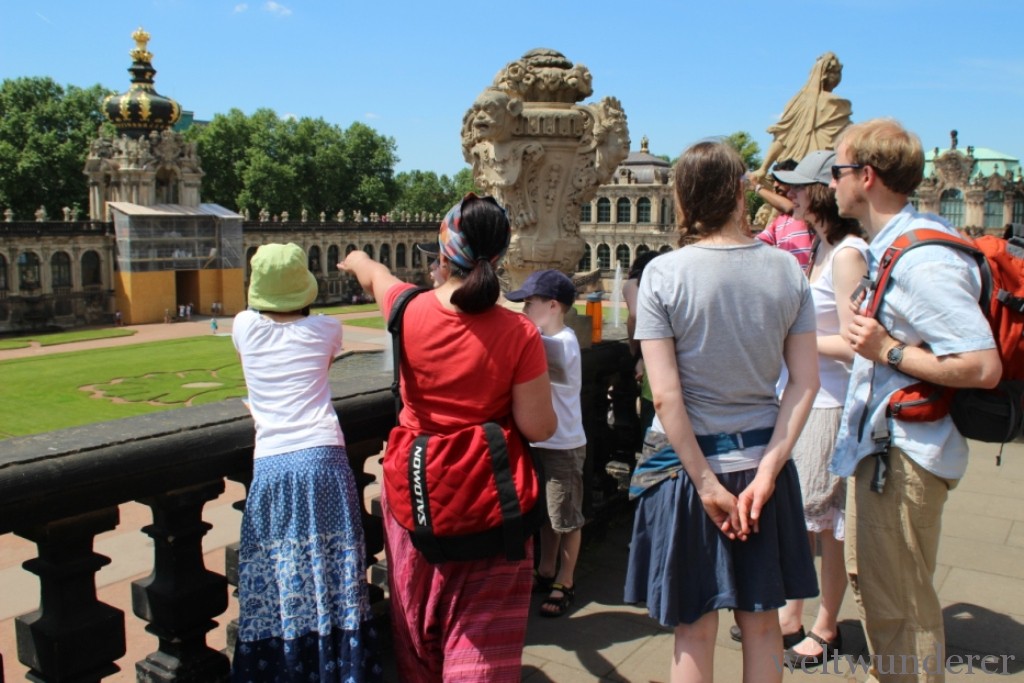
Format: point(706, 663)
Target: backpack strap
point(423, 527)
point(919, 238)
point(508, 499)
point(395, 328)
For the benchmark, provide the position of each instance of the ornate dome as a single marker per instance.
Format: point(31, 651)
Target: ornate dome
point(644, 167)
point(142, 109)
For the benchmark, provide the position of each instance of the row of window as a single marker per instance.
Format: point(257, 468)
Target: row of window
point(623, 258)
point(334, 256)
point(951, 207)
point(29, 270)
point(623, 211)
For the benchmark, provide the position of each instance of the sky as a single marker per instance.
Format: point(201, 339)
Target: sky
point(683, 70)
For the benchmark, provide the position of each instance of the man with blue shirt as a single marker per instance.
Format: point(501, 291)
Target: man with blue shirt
point(930, 327)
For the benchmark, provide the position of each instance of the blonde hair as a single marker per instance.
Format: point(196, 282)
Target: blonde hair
point(886, 146)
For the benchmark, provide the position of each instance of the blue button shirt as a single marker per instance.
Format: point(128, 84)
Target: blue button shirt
point(932, 300)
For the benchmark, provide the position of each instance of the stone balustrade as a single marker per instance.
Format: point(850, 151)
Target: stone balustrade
point(60, 489)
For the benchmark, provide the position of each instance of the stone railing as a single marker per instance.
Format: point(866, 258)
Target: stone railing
point(60, 489)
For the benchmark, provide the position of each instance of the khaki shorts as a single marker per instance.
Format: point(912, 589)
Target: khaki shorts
point(561, 473)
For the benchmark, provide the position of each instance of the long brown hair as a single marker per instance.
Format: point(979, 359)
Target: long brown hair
point(821, 202)
point(707, 186)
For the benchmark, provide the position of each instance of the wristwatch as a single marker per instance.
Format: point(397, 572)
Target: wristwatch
point(895, 356)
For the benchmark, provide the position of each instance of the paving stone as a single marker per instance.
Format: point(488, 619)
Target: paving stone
point(1016, 535)
point(979, 527)
point(992, 558)
point(986, 593)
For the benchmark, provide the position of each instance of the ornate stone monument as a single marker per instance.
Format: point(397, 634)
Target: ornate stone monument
point(812, 119)
point(542, 155)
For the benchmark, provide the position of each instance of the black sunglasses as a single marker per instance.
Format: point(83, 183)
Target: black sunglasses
point(837, 170)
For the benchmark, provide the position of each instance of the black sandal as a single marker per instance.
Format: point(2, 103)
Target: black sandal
point(541, 583)
point(559, 606)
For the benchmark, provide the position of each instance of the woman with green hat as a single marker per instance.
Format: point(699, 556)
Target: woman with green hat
point(303, 605)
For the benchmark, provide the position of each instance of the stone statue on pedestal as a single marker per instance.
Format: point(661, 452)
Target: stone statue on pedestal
point(812, 119)
point(541, 155)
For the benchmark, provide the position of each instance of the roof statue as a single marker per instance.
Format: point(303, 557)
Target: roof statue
point(812, 119)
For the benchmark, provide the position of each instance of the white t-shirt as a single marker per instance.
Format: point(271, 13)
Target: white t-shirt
point(285, 367)
point(834, 373)
point(566, 397)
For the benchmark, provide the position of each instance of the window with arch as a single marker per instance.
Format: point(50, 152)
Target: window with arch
point(951, 207)
point(665, 249)
point(314, 259)
point(333, 257)
point(622, 256)
point(417, 258)
point(400, 256)
point(585, 213)
point(3, 273)
point(643, 210)
point(604, 210)
point(604, 257)
point(350, 248)
point(623, 211)
point(994, 209)
point(641, 250)
point(28, 270)
point(584, 265)
point(369, 250)
point(60, 269)
point(248, 261)
point(385, 254)
point(1018, 208)
point(91, 274)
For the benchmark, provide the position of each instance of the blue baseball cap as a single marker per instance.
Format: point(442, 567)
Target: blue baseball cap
point(549, 284)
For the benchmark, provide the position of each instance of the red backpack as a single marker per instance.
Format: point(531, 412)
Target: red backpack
point(993, 415)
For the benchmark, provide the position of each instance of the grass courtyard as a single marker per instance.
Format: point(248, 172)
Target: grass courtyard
point(61, 390)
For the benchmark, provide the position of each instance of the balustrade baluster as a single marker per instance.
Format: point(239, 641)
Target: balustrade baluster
point(72, 637)
point(181, 597)
point(231, 559)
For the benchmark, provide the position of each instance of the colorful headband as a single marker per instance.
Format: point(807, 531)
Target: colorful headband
point(454, 245)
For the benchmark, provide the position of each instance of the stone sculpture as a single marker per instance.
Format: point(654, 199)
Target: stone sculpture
point(541, 155)
point(812, 119)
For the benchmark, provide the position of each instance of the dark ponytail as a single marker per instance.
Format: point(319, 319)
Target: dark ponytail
point(486, 229)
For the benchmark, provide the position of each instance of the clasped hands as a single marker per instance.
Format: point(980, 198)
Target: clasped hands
point(736, 516)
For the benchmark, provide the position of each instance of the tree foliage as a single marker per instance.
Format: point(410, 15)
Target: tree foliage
point(45, 130)
point(747, 147)
point(265, 162)
point(427, 192)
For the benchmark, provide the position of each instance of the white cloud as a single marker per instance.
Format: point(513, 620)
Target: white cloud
point(277, 8)
point(241, 7)
point(372, 115)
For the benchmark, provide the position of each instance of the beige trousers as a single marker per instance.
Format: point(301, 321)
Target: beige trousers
point(892, 540)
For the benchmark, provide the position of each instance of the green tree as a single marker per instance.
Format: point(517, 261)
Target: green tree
point(45, 131)
point(747, 147)
point(462, 182)
point(423, 191)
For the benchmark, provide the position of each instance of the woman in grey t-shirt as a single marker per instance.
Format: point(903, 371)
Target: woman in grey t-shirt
point(719, 521)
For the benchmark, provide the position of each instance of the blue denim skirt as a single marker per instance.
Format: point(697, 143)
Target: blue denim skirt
point(683, 567)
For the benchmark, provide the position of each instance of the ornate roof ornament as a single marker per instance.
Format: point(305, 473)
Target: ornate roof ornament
point(141, 109)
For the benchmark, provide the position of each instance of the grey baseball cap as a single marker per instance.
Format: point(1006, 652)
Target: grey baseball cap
point(816, 167)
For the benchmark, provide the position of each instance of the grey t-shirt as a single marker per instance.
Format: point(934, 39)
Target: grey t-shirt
point(730, 309)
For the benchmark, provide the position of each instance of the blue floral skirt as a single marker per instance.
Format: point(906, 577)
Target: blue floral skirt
point(303, 606)
point(683, 567)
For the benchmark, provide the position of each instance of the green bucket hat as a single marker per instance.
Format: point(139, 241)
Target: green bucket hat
point(280, 281)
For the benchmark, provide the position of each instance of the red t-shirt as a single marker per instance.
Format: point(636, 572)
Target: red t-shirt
point(458, 368)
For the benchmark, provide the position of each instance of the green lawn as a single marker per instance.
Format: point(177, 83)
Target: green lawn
point(64, 337)
point(377, 322)
point(357, 308)
point(45, 392)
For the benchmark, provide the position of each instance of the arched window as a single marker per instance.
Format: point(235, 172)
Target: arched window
point(994, 210)
point(623, 211)
point(3, 274)
point(585, 213)
point(332, 257)
point(28, 270)
point(604, 210)
point(622, 256)
point(369, 250)
point(641, 250)
point(643, 210)
point(604, 257)
point(385, 254)
point(314, 259)
point(248, 261)
point(665, 249)
point(951, 207)
point(350, 248)
point(1018, 208)
point(400, 256)
point(60, 269)
point(417, 258)
point(91, 269)
point(585, 266)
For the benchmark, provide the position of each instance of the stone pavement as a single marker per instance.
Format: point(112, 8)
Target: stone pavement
point(980, 579)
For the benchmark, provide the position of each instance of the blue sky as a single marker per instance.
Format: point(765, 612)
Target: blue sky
point(683, 70)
